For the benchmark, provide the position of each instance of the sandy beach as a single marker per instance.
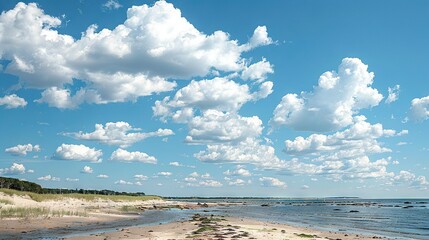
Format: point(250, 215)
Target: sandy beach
point(98, 215)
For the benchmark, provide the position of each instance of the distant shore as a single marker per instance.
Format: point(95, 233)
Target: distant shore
point(74, 218)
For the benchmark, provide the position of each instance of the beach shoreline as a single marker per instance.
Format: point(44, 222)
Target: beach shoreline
point(151, 219)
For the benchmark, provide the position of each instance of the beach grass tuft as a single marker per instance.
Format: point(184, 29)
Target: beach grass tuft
point(87, 197)
point(6, 201)
point(35, 212)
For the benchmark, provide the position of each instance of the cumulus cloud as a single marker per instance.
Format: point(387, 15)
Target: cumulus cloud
point(393, 94)
point(358, 140)
point(272, 182)
point(21, 150)
point(239, 172)
point(420, 108)
point(249, 150)
point(103, 176)
point(165, 174)
point(216, 126)
point(176, 164)
point(78, 153)
point(12, 101)
point(49, 178)
point(134, 59)
point(125, 156)
point(257, 71)
point(118, 133)
point(123, 182)
point(87, 169)
point(141, 177)
point(220, 94)
point(333, 102)
point(15, 169)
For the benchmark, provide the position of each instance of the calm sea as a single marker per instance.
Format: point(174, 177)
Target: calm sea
point(392, 218)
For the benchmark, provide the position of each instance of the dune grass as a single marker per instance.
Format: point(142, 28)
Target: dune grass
point(34, 212)
point(6, 202)
point(88, 197)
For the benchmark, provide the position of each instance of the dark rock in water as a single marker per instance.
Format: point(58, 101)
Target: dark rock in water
point(407, 206)
point(337, 209)
point(354, 211)
point(264, 205)
point(422, 202)
point(407, 202)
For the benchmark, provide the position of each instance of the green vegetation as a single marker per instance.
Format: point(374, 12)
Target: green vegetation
point(303, 235)
point(88, 197)
point(128, 208)
point(16, 184)
point(6, 202)
point(203, 229)
point(33, 212)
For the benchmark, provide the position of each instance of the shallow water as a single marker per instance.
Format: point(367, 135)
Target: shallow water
point(396, 219)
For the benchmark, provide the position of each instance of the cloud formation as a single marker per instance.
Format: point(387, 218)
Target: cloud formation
point(118, 133)
point(134, 59)
point(393, 94)
point(272, 182)
point(419, 110)
point(333, 102)
point(12, 101)
point(15, 169)
point(78, 152)
point(21, 150)
point(125, 156)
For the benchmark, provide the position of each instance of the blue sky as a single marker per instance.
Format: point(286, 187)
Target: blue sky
point(217, 98)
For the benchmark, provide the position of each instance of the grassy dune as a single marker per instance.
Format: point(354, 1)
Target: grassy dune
point(88, 197)
point(34, 212)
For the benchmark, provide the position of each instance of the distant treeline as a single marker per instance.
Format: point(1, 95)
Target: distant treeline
point(16, 184)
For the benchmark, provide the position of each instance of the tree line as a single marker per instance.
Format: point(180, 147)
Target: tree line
point(21, 185)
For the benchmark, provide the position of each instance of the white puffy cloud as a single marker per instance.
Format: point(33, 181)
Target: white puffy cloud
point(141, 177)
point(165, 174)
point(103, 176)
point(125, 156)
point(420, 108)
point(118, 133)
point(49, 178)
point(410, 178)
point(12, 101)
point(249, 150)
point(219, 93)
point(393, 94)
point(216, 126)
point(15, 169)
point(87, 169)
point(132, 60)
point(77, 152)
point(72, 179)
point(239, 172)
point(257, 71)
point(358, 140)
point(21, 150)
point(333, 103)
point(123, 182)
point(272, 182)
